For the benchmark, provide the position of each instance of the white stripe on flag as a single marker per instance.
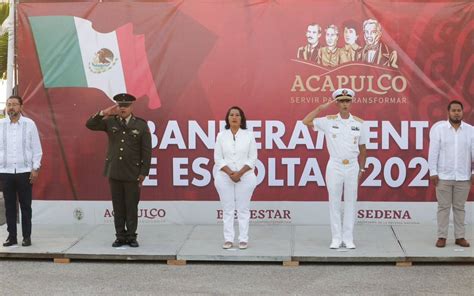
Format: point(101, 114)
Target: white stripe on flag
point(108, 78)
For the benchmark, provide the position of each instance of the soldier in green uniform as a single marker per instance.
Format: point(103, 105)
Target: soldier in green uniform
point(127, 163)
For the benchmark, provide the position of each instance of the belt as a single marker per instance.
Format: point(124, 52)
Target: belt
point(344, 161)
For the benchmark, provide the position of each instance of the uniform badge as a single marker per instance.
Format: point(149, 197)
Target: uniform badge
point(355, 128)
point(135, 132)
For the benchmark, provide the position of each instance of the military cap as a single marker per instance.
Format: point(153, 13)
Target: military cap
point(124, 99)
point(343, 94)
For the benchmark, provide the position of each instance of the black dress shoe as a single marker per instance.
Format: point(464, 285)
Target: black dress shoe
point(10, 242)
point(118, 243)
point(26, 242)
point(133, 243)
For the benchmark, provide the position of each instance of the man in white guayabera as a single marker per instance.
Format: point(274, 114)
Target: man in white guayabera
point(451, 171)
point(20, 161)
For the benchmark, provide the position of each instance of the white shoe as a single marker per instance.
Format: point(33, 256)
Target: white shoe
point(350, 245)
point(227, 245)
point(243, 245)
point(335, 245)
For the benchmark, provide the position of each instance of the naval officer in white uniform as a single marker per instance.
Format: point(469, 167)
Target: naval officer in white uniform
point(346, 137)
point(235, 154)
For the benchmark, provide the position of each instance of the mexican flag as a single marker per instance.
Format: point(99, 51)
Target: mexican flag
point(72, 54)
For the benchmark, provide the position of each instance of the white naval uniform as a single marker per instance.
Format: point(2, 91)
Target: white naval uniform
point(235, 153)
point(343, 137)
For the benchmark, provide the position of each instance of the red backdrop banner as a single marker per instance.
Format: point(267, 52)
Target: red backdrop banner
point(405, 60)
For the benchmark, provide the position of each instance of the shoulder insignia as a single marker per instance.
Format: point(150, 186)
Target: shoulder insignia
point(140, 119)
point(331, 117)
point(357, 119)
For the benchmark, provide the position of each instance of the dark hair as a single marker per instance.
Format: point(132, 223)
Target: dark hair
point(20, 100)
point(350, 24)
point(319, 27)
point(455, 102)
point(243, 120)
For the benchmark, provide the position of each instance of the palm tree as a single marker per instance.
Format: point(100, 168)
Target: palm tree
point(4, 10)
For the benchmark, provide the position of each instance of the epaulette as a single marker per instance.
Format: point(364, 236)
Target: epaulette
point(141, 119)
point(331, 117)
point(357, 119)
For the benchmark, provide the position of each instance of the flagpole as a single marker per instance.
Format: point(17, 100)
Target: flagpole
point(11, 48)
point(61, 146)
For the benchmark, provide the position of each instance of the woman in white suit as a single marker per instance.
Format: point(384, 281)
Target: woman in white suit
point(235, 155)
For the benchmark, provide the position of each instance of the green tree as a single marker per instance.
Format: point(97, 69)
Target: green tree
point(4, 10)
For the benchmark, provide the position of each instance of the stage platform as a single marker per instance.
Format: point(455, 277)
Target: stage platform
point(288, 244)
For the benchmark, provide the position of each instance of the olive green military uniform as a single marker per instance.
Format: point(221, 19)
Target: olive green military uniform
point(128, 156)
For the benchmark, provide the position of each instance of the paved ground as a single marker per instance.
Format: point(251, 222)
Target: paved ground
point(20, 277)
point(269, 243)
point(134, 278)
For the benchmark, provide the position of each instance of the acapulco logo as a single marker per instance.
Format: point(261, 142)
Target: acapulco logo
point(144, 213)
point(78, 213)
point(329, 48)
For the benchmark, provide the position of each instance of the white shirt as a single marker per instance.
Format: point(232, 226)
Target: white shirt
point(20, 146)
point(127, 120)
point(343, 137)
point(451, 151)
point(235, 152)
point(371, 55)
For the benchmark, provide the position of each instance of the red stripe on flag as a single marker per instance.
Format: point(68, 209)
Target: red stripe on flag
point(136, 69)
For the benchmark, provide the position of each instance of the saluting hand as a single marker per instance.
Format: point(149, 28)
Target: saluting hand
point(112, 110)
point(327, 104)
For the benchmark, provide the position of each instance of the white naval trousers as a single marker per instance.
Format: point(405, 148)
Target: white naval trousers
point(235, 196)
point(342, 178)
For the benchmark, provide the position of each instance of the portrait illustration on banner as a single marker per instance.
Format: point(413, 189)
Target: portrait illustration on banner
point(373, 51)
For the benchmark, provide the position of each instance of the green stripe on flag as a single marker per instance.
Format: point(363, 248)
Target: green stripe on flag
point(58, 50)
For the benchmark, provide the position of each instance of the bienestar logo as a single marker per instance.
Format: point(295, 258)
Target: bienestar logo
point(263, 214)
